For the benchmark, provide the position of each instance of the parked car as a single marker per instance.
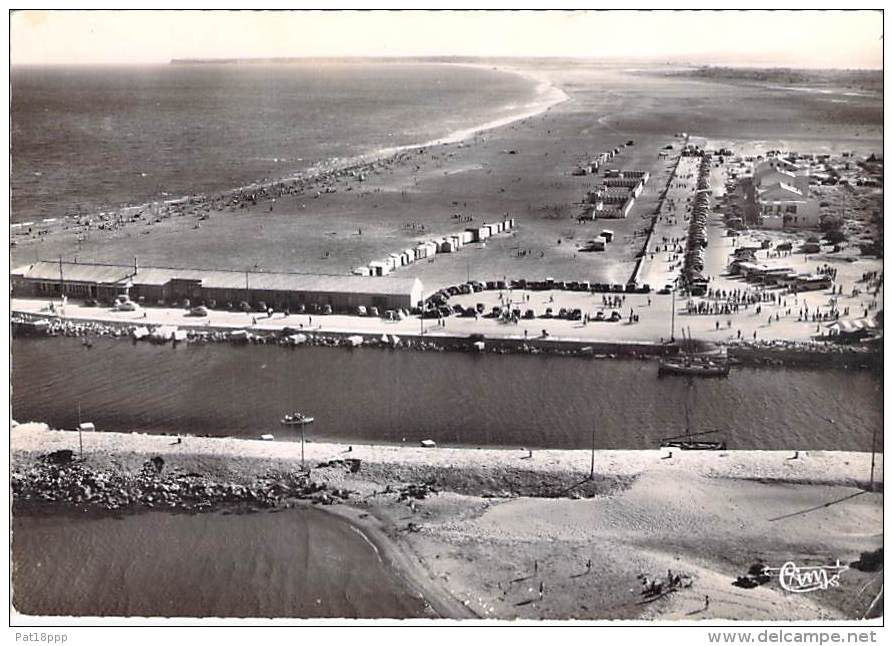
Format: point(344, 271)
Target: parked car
point(529, 314)
point(373, 311)
point(599, 316)
point(548, 313)
point(576, 315)
point(615, 316)
point(200, 310)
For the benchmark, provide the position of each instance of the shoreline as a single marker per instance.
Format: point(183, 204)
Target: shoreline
point(465, 492)
point(771, 352)
point(324, 168)
point(810, 467)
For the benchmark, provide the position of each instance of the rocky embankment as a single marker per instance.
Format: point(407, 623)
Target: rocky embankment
point(59, 477)
point(753, 353)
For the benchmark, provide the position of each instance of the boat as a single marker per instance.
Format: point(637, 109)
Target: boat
point(267, 437)
point(694, 361)
point(690, 445)
point(686, 441)
point(296, 419)
point(694, 366)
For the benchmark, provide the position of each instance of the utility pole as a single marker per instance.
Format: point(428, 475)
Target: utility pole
point(80, 432)
point(592, 461)
point(673, 318)
point(873, 450)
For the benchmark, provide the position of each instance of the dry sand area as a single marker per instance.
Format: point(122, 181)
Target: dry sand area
point(481, 179)
point(500, 526)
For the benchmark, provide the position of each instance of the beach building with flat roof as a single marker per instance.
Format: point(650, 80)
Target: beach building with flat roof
point(154, 284)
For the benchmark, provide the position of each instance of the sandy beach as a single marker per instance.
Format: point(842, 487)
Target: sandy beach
point(501, 523)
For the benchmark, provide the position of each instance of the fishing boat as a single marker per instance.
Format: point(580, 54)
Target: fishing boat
point(693, 445)
point(686, 441)
point(296, 419)
point(694, 366)
point(690, 363)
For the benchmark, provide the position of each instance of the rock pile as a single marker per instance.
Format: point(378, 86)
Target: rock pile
point(61, 478)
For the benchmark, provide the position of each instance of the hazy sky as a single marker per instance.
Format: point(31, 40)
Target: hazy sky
point(796, 39)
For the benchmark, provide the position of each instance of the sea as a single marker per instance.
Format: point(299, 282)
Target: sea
point(299, 562)
point(91, 139)
point(368, 395)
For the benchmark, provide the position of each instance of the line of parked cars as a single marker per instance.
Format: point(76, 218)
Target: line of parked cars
point(437, 305)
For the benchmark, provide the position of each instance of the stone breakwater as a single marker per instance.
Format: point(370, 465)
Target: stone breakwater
point(58, 477)
point(753, 353)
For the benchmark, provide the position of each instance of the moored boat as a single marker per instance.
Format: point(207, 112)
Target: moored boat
point(686, 441)
point(693, 445)
point(694, 366)
point(296, 419)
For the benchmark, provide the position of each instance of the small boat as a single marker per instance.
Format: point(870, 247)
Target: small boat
point(692, 445)
point(428, 444)
point(296, 419)
point(267, 436)
point(686, 441)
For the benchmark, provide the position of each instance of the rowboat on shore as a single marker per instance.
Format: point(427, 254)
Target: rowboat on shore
point(296, 419)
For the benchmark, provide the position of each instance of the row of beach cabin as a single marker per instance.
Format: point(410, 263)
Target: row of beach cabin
point(447, 244)
point(615, 198)
point(600, 160)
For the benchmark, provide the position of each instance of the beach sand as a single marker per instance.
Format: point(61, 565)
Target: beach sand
point(502, 523)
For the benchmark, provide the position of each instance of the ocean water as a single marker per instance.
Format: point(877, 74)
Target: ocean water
point(385, 396)
point(85, 139)
point(298, 562)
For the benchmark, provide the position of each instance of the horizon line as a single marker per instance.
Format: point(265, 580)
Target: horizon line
point(432, 58)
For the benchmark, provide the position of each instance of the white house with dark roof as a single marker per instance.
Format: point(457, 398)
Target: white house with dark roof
point(783, 206)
